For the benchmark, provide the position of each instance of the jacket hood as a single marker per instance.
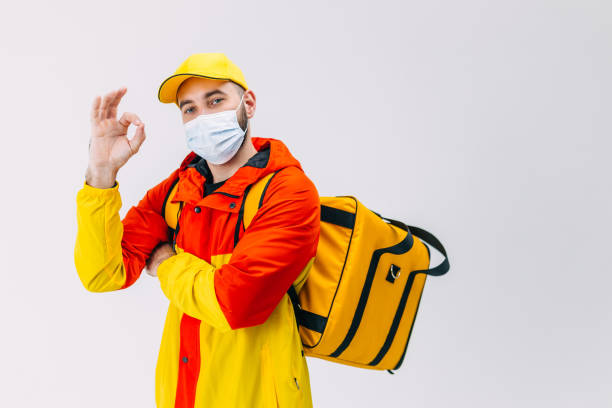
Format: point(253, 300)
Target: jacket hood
point(272, 155)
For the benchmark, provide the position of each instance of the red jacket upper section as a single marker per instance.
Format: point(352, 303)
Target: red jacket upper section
point(268, 257)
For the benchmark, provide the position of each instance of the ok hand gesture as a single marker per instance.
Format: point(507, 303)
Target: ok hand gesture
point(109, 147)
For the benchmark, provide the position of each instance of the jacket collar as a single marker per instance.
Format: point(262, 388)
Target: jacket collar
point(259, 160)
point(272, 155)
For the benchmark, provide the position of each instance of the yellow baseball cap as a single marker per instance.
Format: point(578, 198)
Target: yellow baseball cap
point(214, 65)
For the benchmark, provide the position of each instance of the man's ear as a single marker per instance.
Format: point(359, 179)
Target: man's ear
point(250, 103)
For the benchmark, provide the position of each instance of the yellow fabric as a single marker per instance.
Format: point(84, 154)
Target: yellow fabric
point(251, 202)
point(213, 65)
point(344, 252)
point(97, 252)
point(230, 356)
point(337, 279)
point(259, 366)
point(166, 370)
point(172, 210)
point(188, 282)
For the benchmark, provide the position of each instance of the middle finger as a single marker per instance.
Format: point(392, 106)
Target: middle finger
point(95, 108)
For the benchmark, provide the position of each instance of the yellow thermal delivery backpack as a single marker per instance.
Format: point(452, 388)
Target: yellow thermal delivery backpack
point(361, 296)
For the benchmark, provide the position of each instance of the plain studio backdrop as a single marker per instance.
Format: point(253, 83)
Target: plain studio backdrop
point(486, 122)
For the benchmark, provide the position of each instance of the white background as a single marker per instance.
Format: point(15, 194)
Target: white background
point(485, 122)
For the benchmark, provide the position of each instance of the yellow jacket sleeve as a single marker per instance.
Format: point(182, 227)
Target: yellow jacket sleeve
point(188, 282)
point(97, 252)
point(111, 253)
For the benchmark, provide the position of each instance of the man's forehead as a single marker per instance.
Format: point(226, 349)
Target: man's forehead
point(199, 85)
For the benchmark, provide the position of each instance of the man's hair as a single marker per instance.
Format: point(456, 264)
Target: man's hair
point(243, 119)
point(239, 88)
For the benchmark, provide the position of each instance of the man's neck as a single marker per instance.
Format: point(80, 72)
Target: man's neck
point(226, 170)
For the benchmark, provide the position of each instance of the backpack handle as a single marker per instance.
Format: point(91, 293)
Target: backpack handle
point(427, 237)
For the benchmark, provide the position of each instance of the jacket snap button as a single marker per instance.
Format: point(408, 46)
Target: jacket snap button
point(197, 209)
point(185, 359)
point(232, 205)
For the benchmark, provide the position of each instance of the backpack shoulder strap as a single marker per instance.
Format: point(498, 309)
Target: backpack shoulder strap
point(170, 210)
point(254, 198)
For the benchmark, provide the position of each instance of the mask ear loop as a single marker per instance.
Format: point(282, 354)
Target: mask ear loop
point(240, 103)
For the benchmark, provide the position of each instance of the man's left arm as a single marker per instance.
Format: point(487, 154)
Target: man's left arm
point(280, 241)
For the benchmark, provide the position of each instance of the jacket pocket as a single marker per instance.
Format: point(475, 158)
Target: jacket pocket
point(268, 381)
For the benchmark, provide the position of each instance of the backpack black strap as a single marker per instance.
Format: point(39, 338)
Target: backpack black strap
point(434, 242)
point(303, 317)
point(427, 237)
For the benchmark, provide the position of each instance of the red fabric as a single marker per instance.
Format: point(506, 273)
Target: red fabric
point(143, 229)
point(269, 256)
point(274, 249)
point(189, 362)
point(281, 239)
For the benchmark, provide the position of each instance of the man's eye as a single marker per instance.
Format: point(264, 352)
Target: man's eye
point(188, 110)
point(217, 99)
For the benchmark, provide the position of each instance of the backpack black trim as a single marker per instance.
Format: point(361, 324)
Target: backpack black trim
point(400, 248)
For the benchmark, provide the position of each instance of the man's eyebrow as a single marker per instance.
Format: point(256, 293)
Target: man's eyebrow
point(206, 95)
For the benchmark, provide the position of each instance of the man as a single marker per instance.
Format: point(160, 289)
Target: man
point(230, 338)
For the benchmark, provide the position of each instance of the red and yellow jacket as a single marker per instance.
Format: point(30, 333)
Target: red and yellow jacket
point(230, 337)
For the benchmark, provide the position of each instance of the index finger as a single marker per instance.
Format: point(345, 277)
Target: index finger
point(112, 113)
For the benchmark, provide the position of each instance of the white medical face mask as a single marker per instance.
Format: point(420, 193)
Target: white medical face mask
point(215, 137)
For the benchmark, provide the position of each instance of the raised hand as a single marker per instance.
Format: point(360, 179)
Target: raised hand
point(109, 147)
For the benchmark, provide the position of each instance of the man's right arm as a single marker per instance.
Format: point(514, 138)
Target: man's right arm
point(110, 253)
